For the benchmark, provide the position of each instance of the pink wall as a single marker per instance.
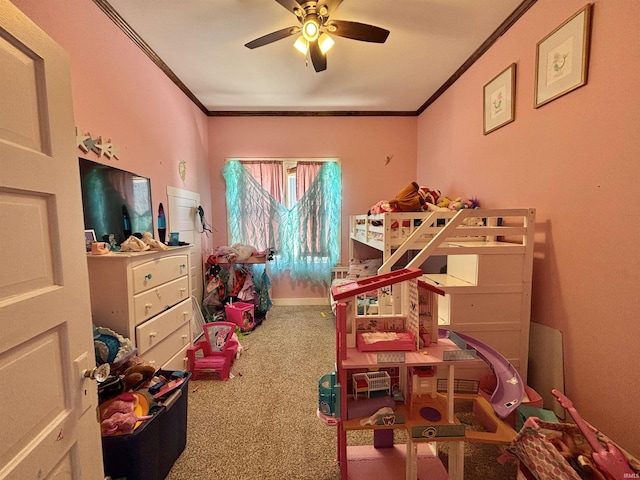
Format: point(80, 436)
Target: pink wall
point(362, 143)
point(576, 160)
point(119, 94)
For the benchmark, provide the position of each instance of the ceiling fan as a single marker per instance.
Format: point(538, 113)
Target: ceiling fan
point(314, 29)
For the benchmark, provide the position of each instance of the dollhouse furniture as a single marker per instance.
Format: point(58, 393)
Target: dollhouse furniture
point(368, 382)
point(424, 381)
point(479, 261)
point(414, 410)
point(145, 296)
point(216, 351)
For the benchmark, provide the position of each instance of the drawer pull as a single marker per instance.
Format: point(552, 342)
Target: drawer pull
point(182, 266)
point(182, 290)
point(148, 276)
point(153, 334)
point(148, 306)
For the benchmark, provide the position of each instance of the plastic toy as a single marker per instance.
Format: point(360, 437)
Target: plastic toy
point(610, 459)
point(423, 411)
point(509, 386)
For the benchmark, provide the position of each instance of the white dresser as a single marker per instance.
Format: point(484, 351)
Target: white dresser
point(145, 297)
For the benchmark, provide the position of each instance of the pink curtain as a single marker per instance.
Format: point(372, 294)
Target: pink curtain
point(305, 175)
point(269, 175)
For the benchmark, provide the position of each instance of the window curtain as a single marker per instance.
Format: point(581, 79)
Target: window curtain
point(305, 239)
point(269, 174)
point(306, 173)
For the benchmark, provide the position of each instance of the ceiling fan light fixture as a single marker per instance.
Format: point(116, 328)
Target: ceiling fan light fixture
point(301, 45)
point(325, 42)
point(311, 29)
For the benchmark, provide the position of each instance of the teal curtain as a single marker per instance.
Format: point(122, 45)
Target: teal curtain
point(305, 239)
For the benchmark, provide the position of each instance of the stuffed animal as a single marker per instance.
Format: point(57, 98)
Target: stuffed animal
point(407, 200)
point(472, 203)
point(152, 242)
point(456, 204)
point(381, 207)
point(137, 374)
point(429, 196)
point(119, 416)
point(444, 202)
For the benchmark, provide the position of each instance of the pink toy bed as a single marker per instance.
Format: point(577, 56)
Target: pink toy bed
point(385, 342)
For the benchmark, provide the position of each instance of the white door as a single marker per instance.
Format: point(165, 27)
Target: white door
point(48, 426)
point(185, 219)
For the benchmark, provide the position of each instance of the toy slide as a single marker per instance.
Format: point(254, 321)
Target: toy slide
point(509, 390)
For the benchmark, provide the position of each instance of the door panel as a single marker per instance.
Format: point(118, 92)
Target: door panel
point(48, 428)
point(22, 96)
point(184, 218)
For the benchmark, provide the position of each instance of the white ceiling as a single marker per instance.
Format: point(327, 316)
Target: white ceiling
point(202, 43)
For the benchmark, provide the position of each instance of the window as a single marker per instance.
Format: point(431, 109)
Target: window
point(292, 206)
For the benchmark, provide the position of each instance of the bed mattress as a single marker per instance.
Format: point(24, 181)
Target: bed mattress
point(385, 342)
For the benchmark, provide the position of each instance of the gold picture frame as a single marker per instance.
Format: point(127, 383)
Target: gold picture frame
point(562, 58)
point(499, 100)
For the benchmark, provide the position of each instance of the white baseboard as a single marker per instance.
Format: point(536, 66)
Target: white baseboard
point(290, 302)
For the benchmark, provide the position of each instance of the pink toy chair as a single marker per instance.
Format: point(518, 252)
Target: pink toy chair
point(218, 350)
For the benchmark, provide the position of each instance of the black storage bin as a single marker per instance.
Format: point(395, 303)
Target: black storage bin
point(151, 450)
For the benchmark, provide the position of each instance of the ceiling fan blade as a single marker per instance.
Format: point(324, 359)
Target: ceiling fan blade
point(272, 37)
point(318, 59)
point(357, 31)
point(290, 5)
point(331, 5)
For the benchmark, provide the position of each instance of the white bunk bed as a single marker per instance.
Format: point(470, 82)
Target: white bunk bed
point(485, 291)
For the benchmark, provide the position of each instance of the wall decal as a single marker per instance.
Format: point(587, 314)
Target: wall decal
point(182, 169)
point(86, 143)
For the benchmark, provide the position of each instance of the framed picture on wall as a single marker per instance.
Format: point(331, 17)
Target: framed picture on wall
point(562, 58)
point(499, 99)
point(89, 238)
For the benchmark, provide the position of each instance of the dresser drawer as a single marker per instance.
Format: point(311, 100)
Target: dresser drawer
point(179, 361)
point(155, 300)
point(156, 272)
point(153, 332)
point(177, 341)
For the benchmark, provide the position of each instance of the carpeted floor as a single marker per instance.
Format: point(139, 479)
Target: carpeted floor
point(262, 423)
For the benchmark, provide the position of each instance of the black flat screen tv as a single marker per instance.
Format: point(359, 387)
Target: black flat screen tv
point(108, 195)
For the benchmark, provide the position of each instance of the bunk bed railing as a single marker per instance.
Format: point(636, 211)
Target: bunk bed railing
point(454, 228)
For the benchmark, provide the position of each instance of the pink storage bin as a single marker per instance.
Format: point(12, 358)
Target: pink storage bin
point(241, 314)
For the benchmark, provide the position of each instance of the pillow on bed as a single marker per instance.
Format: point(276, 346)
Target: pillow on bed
point(363, 268)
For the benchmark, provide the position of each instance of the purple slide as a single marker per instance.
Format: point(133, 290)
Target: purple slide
point(509, 390)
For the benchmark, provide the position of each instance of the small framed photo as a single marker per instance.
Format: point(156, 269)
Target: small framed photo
point(499, 100)
point(89, 238)
point(562, 58)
